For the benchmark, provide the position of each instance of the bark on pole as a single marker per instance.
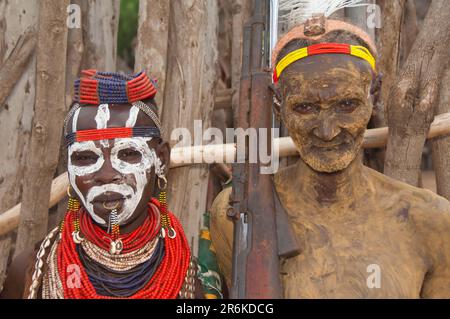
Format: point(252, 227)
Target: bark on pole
point(16, 63)
point(441, 145)
point(16, 17)
point(412, 99)
point(152, 40)
point(43, 154)
point(389, 42)
point(100, 25)
point(189, 96)
point(409, 31)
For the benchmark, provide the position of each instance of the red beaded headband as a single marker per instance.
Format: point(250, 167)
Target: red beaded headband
point(111, 133)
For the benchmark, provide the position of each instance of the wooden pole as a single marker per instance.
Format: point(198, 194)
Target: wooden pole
point(441, 145)
point(189, 95)
point(414, 95)
point(152, 39)
point(100, 25)
point(389, 42)
point(372, 138)
point(43, 152)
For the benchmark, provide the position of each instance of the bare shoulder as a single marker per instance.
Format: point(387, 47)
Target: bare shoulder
point(429, 212)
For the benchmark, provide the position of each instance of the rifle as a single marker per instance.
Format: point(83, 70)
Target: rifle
point(259, 228)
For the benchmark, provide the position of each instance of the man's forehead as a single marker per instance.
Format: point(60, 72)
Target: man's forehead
point(327, 68)
point(322, 72)
point(109, 115)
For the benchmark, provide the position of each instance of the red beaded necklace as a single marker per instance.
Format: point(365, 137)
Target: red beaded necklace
point(165, 283)
point(131, 241)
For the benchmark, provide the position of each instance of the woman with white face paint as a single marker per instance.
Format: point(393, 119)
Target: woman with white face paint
point(116, 240)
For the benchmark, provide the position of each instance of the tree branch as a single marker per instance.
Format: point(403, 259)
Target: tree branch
point(16, 63)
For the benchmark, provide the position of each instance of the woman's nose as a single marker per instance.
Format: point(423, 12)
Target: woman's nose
point(107, 174)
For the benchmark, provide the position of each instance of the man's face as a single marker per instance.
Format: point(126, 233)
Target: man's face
point(117, 172)
point(326, 108)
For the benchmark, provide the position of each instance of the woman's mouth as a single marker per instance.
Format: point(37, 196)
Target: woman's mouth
point(108, 201)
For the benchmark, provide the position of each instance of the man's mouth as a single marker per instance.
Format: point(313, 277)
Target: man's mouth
point(331, 146)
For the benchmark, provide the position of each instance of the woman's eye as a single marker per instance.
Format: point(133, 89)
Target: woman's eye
point(129, 155)
point(84, 158)
point(348, 105)
point(305, 108)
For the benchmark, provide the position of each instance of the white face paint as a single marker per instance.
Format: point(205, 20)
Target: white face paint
point(75, 120)
point(131, 121)
point(75, 171)
point(139, 170)
point(102, 119)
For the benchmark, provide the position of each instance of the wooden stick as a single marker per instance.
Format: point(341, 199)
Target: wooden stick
point(16, 63)
point(10, 219)
point(441, 146)
point(373, 138)
point(49, 111)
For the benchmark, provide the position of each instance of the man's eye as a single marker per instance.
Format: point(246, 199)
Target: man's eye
point(348, 105)
point(305, 108)
point(129, 154)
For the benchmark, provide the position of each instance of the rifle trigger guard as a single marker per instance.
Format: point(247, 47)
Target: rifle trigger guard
point(231, 212)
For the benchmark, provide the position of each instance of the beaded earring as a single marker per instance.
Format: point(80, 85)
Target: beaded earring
point(116, 245)
point(166, 226)
point(73, 207)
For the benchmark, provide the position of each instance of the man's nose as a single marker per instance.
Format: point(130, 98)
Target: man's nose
point(327, 129)
point(107, 174)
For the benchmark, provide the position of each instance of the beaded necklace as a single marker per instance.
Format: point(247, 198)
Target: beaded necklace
point(108, 282)
point(131, 241)
point(168, 275)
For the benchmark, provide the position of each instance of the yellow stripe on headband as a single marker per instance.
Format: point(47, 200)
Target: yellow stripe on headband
point(290, 58)
point(323, 48)
point(363, 53)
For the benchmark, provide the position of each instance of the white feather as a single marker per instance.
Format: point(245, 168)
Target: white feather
point(293, 12)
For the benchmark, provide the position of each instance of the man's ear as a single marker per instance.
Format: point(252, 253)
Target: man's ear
point(375, 92)
point(276, 100)
point(163, 152)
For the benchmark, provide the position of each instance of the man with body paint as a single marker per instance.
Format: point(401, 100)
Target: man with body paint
point(361, 234)
point(116, 240)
